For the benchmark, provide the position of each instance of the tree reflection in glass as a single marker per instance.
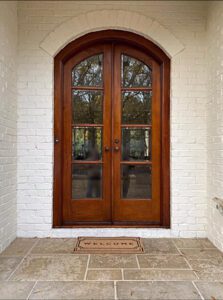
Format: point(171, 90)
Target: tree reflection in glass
point(136, 144)
point(86, 181)
point(88, 72)
point(86, 143)
point(136, 107)
point(135, 73)
point(87, 107)
point(136, 182)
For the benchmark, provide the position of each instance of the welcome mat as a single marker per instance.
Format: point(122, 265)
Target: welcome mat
point(109, 245)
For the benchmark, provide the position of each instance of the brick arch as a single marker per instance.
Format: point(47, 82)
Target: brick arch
point(111, 19)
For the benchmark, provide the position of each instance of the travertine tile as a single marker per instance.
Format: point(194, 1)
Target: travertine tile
point(113, 261)
point(194, 243)
point(19, 247)
point(8, 265)
point(15, 290)
point(198, 253)
point(151, 274)
point(208, 269)
point(159, 246)
point(141, 290)
point(69, 267)
point(113, 274)
point(76, 290)
point(162, 261)
point(54, 246)
point(211, 290)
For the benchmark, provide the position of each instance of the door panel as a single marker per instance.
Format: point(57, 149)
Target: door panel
point(87, 137)
point(111, 137)
point(136, 159)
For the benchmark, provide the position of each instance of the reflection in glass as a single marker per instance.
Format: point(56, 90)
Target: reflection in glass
point(86, 143)
point(135, 73)
point(88, 72)
point(136, 107)
point(136, 182)
point(86, 181)
point(136, 144)
point(87, 107)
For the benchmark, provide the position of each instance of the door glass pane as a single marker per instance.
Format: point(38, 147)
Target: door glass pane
point(86, 143)
point(86, 181)
point(136, 144)
point(136, 107)
point(135, 73)
point(136, 182)
point(87, 107)
point(88, 72)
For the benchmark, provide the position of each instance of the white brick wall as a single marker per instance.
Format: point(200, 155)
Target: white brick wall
point(186, 21)
point(8, 116)
point(215, 120)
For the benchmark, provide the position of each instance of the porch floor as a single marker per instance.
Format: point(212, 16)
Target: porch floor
point(169, 269)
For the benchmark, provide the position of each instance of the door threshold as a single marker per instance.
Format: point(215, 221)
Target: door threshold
point(112, 226)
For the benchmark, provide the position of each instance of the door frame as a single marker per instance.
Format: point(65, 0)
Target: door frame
point(163, 60)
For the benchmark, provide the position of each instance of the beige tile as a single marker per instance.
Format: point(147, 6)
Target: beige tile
point(158, 290)
point(211, 290)
point(15, 290)
point(54, 246)
point(194, 243)
point(113, 274)
point(197, 253)
point(19, 247)
point(159, 246)
point(151, 274)
point(208, 269)
point(69, 267)
point(8, 265)
point(162, 261)
point(204, 276)
point(113, 261)
point(76, 290)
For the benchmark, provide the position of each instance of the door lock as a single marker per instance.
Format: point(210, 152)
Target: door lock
point(56, 140)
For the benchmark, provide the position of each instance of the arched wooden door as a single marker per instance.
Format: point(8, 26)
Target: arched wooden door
point(111, 132)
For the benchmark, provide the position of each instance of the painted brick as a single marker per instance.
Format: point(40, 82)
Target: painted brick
point(8, 118)
point(215, 120)
point(185, 22)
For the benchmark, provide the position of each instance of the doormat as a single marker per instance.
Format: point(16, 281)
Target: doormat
point(109, 245)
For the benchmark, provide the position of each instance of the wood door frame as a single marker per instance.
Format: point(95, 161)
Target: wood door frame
point(163, 60)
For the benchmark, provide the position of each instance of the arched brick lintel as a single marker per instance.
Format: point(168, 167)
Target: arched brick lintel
point(111, 19)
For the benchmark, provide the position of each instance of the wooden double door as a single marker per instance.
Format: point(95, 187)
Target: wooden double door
point(111, 137)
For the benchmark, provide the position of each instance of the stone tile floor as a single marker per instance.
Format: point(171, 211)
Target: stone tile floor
point(169, 269)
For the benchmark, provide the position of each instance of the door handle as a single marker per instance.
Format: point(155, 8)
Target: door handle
point(107, 148)
point(116, 148)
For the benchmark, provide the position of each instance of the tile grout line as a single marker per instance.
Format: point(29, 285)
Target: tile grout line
point(189, 265)
point(109, 280)
point(31, 290)
point(28, 252)
point(142, 268)
point(115, 290)
point(88, 261)
point(178, 249)
point(137, 262)
point(198, 290)
point(122, 271)
point(187, 262)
